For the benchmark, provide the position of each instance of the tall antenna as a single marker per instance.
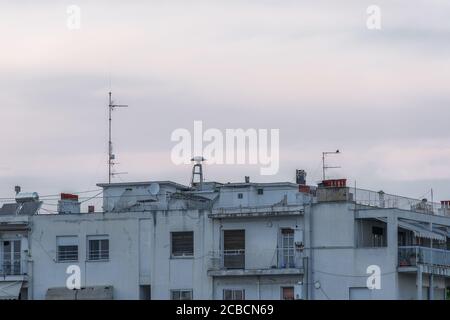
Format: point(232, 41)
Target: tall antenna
point(324, 166)
point(111, 155)
point(197, 171)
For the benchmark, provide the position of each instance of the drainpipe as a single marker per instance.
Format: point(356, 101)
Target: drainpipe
point(419, 282)
point(259, 288)
point(431, 276)
point(30, 266)
point(305, 277)
point(310, 277)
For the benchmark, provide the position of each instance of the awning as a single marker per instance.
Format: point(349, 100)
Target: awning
point(10, 290)
point(445, 233)
point(87, 293)
point(419, 231)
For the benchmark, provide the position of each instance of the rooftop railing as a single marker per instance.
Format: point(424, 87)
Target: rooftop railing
point(384, 200)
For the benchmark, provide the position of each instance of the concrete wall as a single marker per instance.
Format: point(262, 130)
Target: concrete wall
point(139, 253)
point(337, 265)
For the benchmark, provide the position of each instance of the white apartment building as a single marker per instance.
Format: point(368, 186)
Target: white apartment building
point(283, 240)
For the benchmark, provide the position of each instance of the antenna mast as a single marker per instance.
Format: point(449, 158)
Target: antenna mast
point(324, 166)
point(111, 156)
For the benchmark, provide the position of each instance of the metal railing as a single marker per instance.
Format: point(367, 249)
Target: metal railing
point(67, 255)
point(279, 258)
point(384, 200)
point(12, 268)
point(233, 259)
point(414, 255)
point(287, 258)
point(95, 255)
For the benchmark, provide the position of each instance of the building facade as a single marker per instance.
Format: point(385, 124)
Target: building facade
point(164, 240)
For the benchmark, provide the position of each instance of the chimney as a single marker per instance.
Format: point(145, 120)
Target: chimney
point(247, 179)
point(91, 209)
point(68, 203)
point(300, 177)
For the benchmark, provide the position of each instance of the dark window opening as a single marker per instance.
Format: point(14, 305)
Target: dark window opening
point(183, 244)
point(234, 249)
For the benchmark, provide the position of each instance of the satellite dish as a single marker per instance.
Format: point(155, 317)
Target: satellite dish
point(154, 188)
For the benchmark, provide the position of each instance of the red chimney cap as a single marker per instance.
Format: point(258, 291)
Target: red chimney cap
point(69, 196)
point(335, 183)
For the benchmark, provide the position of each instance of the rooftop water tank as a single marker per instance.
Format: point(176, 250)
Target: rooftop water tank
point(23, 197)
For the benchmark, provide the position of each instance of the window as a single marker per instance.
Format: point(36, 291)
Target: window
point(377, 237)
point(260, 191)
point(145, 292)
point(233, 294)
point(98, 248)
point(287, 293)
point(240, 195)
point(66, 248)
point(234, 249)
point(181, 294)
point(183, 244)
point(10, 257)
point(286, 252)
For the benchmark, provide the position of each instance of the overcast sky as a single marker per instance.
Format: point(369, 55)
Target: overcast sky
point(309, 68)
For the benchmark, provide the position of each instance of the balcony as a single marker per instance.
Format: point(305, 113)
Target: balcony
point(12, 269)
point(286, 261)
point(433, 260)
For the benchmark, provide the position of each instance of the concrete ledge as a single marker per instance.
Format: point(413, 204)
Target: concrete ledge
point(254, 272)
point(21, 278)
point(436, 270)
point(257, 212)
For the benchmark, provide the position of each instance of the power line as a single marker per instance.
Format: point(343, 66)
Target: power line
point(52, 195)
point(55, 195)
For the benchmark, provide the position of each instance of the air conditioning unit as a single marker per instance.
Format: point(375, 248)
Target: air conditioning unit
point(298, 238)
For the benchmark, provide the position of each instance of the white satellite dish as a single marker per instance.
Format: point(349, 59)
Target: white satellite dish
point(154, 188)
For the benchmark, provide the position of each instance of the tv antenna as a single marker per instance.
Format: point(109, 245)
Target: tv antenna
point(324, 166)
point(111, 156)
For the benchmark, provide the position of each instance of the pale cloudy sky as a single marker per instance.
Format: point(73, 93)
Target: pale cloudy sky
point(309, 68)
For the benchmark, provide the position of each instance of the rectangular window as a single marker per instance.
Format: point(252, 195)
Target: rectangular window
point(11, 253)
point(182, 244)
point(98, 248)
point(260, 191)
point(287, 293)
point(234, 249)
point(181, 294)
point(67, 248)
point(240, 195)
point(233, 294)
point(286, 252)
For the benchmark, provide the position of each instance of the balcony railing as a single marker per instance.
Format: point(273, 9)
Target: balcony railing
point(414, 255)
point(233, 259)
point(12, 268)
point(281, 258)
point(287, 258)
